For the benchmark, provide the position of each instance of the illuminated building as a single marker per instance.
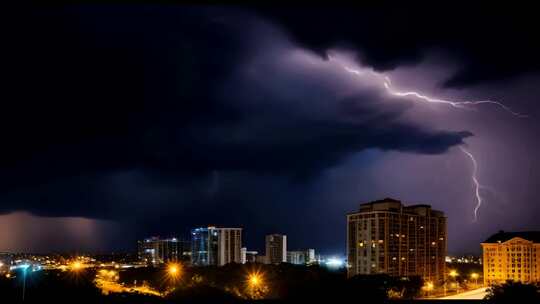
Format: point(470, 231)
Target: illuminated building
point(276, 248)
point(204, 246)
point(301, 257)
point(310, 256)
point(158, 251)
point(386, 237)
point(215, 246)
point(248, 256)
point(296, 257)
point(512, 256)
point(260, 259)
point(229, 244)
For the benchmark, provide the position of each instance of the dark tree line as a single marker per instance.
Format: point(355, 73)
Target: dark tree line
point(230, 284)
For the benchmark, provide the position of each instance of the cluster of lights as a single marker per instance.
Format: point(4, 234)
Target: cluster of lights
point(76, 266)
point(428, 286)
point(334, 263)
point(110, 274)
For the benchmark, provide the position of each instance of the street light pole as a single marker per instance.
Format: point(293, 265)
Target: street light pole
point(475, 276)
point(444, 288)
point(454, 274)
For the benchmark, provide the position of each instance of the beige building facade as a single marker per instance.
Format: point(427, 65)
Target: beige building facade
point(511, 256)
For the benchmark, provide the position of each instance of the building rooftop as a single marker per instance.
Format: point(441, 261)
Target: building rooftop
point(393, 205)
point(384, 200)
point(503, 236)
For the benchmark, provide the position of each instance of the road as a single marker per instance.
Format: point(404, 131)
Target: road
point(107, 287)
point(475, 294)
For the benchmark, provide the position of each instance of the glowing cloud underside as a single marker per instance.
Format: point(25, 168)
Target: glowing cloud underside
point(387, 84)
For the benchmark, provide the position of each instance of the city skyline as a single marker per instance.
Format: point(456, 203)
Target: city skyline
point(184, 236)
point(124, 122)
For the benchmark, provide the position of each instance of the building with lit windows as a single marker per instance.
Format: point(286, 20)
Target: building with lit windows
point(276, 249)
point(511, 256)
point(155, 250)
point(247, 256)
point(216, 246)
point(229, 246)
point(301, 257)
point(385, 236)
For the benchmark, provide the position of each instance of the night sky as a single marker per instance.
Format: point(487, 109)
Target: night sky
point(125, 121)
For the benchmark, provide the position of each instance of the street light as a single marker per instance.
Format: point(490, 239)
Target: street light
point(475, 276)
point(254, 279)
point(173, 270)
point(428, 287)
point(453, 273)
point(256, 288)
point(76, 266)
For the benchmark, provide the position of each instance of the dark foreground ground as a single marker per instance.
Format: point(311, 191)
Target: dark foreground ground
point(231, 284)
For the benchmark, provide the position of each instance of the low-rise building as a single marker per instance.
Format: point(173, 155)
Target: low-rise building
point(511, 256)
point(155, 250)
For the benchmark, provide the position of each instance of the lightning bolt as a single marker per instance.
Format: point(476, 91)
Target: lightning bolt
point(477, 185)
point(387, 84)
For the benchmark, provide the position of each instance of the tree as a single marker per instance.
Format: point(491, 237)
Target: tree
point(516, 292)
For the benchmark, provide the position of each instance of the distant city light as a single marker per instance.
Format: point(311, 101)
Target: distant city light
point(334, 263)
point(428, 286)
point(76, 266)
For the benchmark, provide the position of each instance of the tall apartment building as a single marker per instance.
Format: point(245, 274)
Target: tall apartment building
point(511, 256)
point(215, 246)
point(155, 250)
point(229, 245)
point(386, 237)
point(276, 248)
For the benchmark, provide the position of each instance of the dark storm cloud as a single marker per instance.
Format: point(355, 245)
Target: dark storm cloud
point(489, 42)
point(155, 116)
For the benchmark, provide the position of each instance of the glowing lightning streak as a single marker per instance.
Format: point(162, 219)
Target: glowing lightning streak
point(477, 185)
point(457, 104)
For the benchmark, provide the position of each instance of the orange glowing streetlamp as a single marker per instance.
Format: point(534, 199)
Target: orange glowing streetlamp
point(475, 276)
point(76, 266)
point(256, 287)
point(174, 270)
point(454, 274)
point(254, 279)
point(428, 287)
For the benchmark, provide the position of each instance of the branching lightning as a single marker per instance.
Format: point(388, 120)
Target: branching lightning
point(387, 84)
